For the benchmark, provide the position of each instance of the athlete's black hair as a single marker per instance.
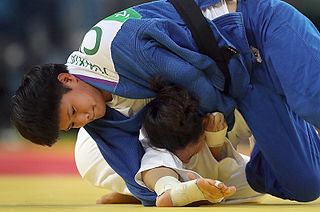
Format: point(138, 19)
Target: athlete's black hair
point(172, 120)
point(36, 103)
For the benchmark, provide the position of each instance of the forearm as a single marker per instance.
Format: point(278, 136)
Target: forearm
point(151, 176)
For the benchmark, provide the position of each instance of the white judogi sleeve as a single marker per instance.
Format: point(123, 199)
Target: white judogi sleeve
point(155, 157)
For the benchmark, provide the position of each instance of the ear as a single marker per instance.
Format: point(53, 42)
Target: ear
point(67, 79)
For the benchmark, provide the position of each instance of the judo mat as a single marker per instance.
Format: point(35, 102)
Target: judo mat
point(36, 178)
point(71, 193)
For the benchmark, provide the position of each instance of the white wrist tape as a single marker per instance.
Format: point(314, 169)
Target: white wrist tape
point(181, 193)
point(186, 193)
point(165, 183)
point(216, 139)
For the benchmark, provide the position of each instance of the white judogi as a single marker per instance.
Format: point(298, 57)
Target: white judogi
point(230, 170)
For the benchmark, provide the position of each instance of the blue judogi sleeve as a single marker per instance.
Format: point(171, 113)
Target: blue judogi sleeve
point(117, 139)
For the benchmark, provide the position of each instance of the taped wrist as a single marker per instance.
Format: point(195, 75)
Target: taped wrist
point(215, 139)
point(181, 193)
point(165, 183)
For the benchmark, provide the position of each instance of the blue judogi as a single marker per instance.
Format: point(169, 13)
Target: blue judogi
point(279, 96)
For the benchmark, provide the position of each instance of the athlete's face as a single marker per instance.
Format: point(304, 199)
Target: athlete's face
point(81, 105)
point(185, 154)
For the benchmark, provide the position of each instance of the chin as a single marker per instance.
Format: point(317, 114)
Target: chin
point(101, 113)
point(99, 110)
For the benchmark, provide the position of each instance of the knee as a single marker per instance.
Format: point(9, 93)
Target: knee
point(302, 188)
point(308, 189)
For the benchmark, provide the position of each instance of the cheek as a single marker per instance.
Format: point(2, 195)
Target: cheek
point(62, 121)
point(180, 154)
point(83, 103)
point(202, 143)
point(99, 107)
point(100, 110)
point(196, 148)
point(99, 104)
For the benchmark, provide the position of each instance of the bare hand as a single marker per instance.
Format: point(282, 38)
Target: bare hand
point(211, 191)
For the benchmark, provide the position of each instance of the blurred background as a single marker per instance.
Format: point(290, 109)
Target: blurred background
point(47, 31)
